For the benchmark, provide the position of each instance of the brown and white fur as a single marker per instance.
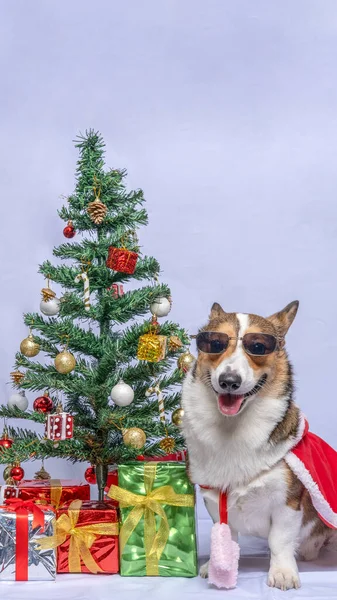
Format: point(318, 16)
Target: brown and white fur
point(244, 453)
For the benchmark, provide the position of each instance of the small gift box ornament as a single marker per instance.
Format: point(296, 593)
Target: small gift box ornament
point(86, 538)
point(7, 492)
point(116, 290)
point(122, 260)
point(60, 425)
point(23, 527)
point(151, 346)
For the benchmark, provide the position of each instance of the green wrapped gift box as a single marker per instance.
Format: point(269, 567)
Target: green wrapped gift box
point(157, 508)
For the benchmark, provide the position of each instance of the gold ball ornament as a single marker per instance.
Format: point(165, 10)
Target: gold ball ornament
point(185, 361)
point(10, 481)
point(177, 417)
point(134, 437)
point(65, 362)
point(28, 347)
point(7, 472)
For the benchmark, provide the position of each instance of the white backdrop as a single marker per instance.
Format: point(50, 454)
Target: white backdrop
point(225, 113)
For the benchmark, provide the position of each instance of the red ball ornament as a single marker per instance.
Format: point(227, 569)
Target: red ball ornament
point(69, 231)
point(5, 441)
point(43, 404)
point(90, 475)
point(17, 473)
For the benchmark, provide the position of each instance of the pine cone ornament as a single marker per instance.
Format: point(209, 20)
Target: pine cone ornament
point(47, 294)
point(167, 444)
point(42, 474)
point(97, 211)
point(17, 377)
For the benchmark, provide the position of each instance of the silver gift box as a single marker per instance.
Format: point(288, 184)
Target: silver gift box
point(41, 563)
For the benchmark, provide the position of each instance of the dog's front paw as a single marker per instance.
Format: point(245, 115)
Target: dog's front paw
point(203, 572)
point(283, 578)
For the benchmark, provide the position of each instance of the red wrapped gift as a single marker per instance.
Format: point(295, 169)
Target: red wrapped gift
point(87, 538)
point(122, 260)
point(176, 457)
point(54, 491)
point(112, 480)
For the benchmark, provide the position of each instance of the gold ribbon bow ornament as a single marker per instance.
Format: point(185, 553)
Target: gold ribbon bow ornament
point(148, 506)
point(82, 538)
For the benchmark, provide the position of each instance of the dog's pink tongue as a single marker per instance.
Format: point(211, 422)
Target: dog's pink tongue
point(229, 404)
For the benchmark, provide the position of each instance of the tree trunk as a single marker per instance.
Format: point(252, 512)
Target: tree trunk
point(102, 477)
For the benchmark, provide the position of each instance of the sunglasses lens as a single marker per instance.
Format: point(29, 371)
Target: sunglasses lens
point(212, 342)
point(259, 344)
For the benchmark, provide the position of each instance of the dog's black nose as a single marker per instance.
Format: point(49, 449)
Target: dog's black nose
point(230, 382)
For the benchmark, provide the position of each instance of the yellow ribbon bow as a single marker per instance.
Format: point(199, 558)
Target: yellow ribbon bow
point(81, 538)
point(149, 506)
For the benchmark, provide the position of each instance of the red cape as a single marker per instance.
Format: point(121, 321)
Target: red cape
point(314, 462)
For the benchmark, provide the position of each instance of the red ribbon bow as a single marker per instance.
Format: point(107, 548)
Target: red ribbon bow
point(23, 508)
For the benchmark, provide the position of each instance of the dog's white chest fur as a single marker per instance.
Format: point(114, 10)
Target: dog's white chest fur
point(250, 506)
point(223, 456)
point(239, 460)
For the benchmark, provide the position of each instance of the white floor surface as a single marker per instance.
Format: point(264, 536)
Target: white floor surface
point(319, 581)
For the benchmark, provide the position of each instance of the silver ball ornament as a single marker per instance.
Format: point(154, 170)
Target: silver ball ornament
point(51, 307)
point(18, 400)
point(122, 394)
point(160, 307)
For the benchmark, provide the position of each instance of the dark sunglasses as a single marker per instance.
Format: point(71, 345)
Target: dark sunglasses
point(256, 344)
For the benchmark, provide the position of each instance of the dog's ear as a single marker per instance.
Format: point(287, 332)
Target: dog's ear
point(217, 312)
point(283, 319)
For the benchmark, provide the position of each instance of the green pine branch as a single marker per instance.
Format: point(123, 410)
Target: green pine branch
point(56, 331)
point(128, 218)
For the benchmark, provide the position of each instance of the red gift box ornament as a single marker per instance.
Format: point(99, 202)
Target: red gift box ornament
point(122, 260)
point(117, 290)
point(8, 491)
point(59, 426)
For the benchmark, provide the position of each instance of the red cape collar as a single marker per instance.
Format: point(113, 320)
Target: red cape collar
point(314, 462)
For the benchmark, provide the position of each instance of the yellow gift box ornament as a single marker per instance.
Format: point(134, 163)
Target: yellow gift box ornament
point(151, 346)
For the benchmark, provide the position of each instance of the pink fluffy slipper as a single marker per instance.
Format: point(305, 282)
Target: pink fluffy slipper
point(224, 559)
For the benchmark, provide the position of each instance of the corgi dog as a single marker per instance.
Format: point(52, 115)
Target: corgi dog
point(240, 422)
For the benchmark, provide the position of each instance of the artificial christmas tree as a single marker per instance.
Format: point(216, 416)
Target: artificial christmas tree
point(84, 332)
